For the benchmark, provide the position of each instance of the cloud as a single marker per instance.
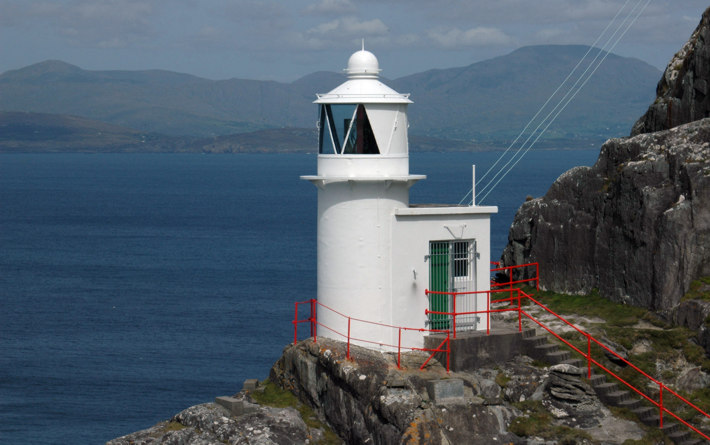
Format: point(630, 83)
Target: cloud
point(349, 27)
point(331, 7)
point(97, 23)
point(479, 36)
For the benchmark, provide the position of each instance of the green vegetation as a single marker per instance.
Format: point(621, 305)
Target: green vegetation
point(699, 290)
point(537, 421)
point(173, 426)
point(631, 327)
point(270, 394)
point(502, 379)
point(654, 436)
point(593, 305)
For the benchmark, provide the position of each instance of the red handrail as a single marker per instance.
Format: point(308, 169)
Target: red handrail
point(349, 337)
point(588, 354)
point(510, 269)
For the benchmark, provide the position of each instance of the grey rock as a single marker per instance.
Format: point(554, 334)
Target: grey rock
point(682, 92)
point(635, 226)
point(210, 423)
point(570, 399)
point(390, 405)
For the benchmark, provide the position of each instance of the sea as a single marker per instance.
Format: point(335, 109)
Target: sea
point(133, 286)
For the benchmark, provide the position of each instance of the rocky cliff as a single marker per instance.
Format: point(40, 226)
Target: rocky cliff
point(682, 92)
point(636, 225)
point(369, 400)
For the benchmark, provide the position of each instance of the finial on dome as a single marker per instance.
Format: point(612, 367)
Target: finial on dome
point(363, 64)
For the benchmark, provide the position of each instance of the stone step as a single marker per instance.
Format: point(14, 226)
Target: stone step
point(616, 397)
point(691, 442)
point(605, 388)
point(528, 333)
point(631, 403)
point(535, 340)
point(576, 362)
point(651, 420)
point(546, 348)
point(671, 428)
point(597, 379)
point(557, 356)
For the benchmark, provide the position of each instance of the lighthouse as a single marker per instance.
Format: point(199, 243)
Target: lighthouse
point(377, 254)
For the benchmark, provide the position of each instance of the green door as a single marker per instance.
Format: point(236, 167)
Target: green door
point(439, 281)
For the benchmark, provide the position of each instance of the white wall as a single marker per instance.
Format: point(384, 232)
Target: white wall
point(412, 231)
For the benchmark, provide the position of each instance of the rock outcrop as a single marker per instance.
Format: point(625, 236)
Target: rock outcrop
point(212, 424)
point(683, 93)
point(368, 400)
point(636, 225)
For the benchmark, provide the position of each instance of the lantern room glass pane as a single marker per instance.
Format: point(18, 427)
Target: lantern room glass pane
point(345, 129)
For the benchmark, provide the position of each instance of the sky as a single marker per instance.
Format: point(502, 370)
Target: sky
point(285, 40)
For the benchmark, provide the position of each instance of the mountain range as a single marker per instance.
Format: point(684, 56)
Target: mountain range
point(480, 106)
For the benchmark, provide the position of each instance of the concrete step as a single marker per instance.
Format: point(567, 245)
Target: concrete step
point(576, 362)
point(691, 442)
point(528, 333)
point(535, 340)
point(597, 379)
point(558, 356)
point(616, 397)
point(671, 428)
point(605, 388)
point(546, 348)
point(631, 403)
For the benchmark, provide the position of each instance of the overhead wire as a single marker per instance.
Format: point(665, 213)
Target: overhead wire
point(522, 132)
point(551, 121)
point(562, 103)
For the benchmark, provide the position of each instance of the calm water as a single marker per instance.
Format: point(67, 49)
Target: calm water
point(133, 286)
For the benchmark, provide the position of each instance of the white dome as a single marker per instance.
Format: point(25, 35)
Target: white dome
point(363, 64)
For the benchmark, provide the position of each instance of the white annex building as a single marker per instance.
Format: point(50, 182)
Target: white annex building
point(376, 253)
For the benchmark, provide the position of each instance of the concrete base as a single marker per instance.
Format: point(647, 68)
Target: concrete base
point(235, 406)
point(250, 384)
point(474, 349)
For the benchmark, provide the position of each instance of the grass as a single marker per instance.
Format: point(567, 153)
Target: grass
point(699, 290)
point(502, 379)
point(666, 345)
point(537, 421)
point(272, 395)
point(593, 305)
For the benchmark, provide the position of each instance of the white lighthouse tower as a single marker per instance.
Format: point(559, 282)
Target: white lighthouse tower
point(375, 252)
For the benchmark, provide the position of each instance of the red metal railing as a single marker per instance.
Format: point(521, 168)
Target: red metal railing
point(314, 323)
point(590, 361)
point(515, 301)
point(510, 272)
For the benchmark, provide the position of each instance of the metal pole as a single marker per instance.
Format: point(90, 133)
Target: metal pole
point(589, 357)
point(520, 318)
point(295, 325)
point(488, 313)
point(313, 319)
point(454, 313)
point(399, 350)
point(348, 338)
point(660, 404)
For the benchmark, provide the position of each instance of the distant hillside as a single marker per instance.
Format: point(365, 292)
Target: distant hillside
point(41, 132)
point(485, 103)
point(53, 133)
point(493, 100)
